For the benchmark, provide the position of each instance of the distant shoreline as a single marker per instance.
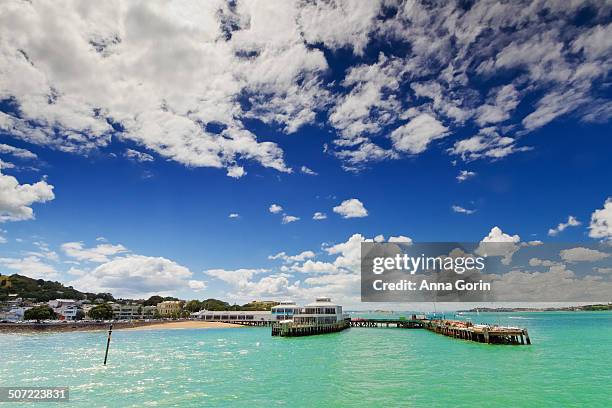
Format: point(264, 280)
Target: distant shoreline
point(101, 326)
point(585, 308)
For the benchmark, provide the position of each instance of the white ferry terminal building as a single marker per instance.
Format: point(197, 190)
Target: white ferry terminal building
point(322, 312)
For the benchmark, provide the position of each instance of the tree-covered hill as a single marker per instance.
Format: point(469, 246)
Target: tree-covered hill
point(38, 290)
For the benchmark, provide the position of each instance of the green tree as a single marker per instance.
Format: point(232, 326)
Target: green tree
point(215, 304)
point(193, 306)
point(154, 300)
point(38, 290)
point(80, 315)
point(107, 297)
point(103, 311)
point(39, 313)
point(261, 306)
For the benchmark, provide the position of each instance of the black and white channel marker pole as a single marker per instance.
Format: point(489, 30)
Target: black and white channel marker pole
point(110, 332)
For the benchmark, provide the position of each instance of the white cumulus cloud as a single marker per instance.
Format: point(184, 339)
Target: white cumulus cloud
point(238, 277)
point(415, 136)
point(488, 143)
point(138, 156)
point(17, 152)
point(498, 243)
point(400, 238)
point(137, 276)
point(16, 199)
point(308, 171)
point(581, 254)
point(461, 210)
point(571, 222)
point(352, 208)
point(302, 256)
point(31, 266)
point(601, 222)
point(235, 171)
point(289, 219)
point(100, 253)
point(275, 208)
point(81, 78)
point(465, 175)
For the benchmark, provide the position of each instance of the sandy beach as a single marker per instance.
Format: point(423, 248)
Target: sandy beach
point(122, 325)
point(186, 324)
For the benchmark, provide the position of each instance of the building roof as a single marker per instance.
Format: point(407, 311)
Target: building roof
point(287, 305)
point(322, 302)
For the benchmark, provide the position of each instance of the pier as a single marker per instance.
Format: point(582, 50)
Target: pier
point(250, 322)
point(404, 324)
point(322, 316)
point(291, 329)
point(481, 333)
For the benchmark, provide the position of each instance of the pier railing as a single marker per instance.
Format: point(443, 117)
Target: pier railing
point(406, 324)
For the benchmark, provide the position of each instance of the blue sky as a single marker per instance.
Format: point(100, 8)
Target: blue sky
point(153, 124)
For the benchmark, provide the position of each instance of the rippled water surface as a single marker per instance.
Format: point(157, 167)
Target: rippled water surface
point(569, 364)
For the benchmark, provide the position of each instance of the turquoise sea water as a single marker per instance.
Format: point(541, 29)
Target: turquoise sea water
point(569, 364)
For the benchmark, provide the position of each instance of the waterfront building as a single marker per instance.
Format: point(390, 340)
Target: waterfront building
point(321, 311)
point(320, 317)
point(14, 301)
point(13, 314)
point(261, 317)
point(87, 307)
point(285, 310)
point(57, 303)
point(126, 312)
point(67, 311)
point(169, 308)
point(148, 312)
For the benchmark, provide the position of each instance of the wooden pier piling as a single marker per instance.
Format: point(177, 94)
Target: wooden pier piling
point(291, 329)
